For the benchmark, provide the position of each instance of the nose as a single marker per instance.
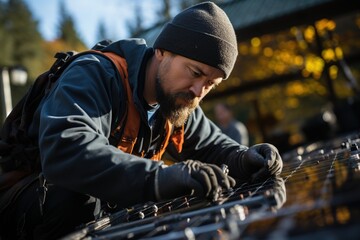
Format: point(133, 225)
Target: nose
point(198, 88)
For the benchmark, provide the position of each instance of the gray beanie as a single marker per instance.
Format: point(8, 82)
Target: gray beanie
point(202, 33)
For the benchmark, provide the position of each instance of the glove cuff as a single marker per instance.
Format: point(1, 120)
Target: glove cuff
point(157, 181)
point(156, 184)
point(151, 186)
point(236, 168)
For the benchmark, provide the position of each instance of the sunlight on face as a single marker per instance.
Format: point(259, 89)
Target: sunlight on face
point(181, 85)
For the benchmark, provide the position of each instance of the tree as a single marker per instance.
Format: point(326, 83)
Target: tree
point(101, 32)
point(164, 12)
point(21, 37)
point(135, 27)
point(67, 31)
point(175, 6)
point(6, 45)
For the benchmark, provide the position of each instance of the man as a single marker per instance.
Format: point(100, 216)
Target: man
point(229, 125)
point(74, 128)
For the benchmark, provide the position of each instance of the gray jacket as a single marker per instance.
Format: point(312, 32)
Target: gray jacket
point(73, 124)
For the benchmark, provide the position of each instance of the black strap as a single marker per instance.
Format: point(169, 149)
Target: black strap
point(11, 194)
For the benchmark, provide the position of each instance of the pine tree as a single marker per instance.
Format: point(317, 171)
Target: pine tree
point(136, 26)
point(6, 46)
point(164, 12)
point(101, 32)
point(25, 40)
point(67, 30)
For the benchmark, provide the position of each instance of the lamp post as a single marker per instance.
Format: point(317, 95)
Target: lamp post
point(17, 76)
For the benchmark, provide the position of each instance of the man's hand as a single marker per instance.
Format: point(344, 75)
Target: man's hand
point(256, 163)
point(280, 191)
point(262, 161)
point(191, 177)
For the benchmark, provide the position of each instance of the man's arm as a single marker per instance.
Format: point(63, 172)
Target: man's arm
point(205, 142)
point(75, 123)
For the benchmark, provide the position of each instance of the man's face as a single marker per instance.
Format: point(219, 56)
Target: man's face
point(181, 84)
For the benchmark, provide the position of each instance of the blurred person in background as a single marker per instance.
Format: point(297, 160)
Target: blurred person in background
point(229, 125)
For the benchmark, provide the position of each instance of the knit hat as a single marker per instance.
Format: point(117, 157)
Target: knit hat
point(202, 33)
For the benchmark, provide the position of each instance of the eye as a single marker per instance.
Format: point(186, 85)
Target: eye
point(213, 86)
point(210, 84)
point(195, 74)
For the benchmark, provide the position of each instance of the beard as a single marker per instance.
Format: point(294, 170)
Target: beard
point(176, 107)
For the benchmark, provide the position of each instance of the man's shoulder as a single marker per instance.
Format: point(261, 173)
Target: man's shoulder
point(124, 47)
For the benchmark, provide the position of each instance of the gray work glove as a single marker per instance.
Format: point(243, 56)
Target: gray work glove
point(191, 177)
point(280, 191)
point(257, 163)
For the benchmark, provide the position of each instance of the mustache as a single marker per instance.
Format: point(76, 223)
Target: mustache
point(188, 97)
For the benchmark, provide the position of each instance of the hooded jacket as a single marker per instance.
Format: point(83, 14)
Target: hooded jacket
point(73, 126)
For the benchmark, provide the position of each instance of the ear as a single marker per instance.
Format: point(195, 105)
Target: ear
point(159, 53)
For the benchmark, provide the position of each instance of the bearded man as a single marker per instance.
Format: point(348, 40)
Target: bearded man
point(103, 128)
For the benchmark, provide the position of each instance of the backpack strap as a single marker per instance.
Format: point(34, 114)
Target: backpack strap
point(132, 123)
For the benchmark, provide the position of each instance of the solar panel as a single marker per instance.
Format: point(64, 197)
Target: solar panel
point(317, 196)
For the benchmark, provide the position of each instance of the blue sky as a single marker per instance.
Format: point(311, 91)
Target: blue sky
point(88, 13)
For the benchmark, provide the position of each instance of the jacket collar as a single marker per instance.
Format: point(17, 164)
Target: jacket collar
point(135, 51)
